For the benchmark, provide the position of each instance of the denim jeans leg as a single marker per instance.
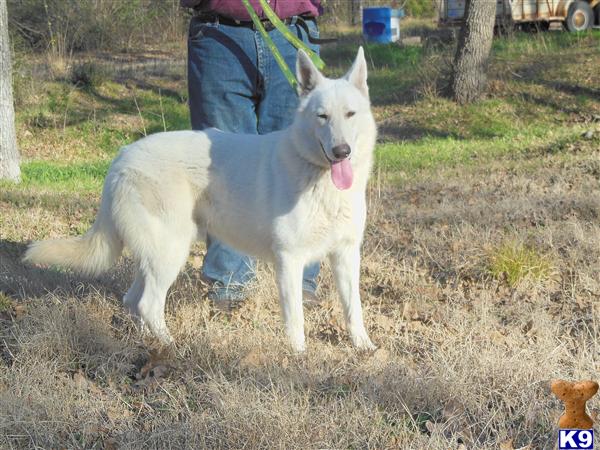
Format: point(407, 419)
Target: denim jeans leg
point(279, 103)
point(222, 78)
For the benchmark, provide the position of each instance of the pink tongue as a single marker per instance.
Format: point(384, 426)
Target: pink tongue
point(341, 174)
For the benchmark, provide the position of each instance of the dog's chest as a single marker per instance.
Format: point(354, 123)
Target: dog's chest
point(320, 220)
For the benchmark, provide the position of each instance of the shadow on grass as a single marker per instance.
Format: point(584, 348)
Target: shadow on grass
point(394, 131)
point(572, 89)
point(21, 281)
point(152, 110)
point(157, 90)
point(546, 71)
point(159, 106)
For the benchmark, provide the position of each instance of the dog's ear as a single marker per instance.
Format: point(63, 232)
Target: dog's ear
point(357, 75)
point(307, 74)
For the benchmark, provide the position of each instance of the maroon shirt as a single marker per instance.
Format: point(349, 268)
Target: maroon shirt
point(234, 9)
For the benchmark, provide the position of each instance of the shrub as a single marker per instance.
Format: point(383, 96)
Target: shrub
point(64, 26)
point(419, 8)
point(88, 74)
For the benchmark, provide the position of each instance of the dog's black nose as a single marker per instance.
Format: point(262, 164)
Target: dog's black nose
point(341, 151)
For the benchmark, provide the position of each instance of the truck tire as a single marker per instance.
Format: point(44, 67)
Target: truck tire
point(580, 16)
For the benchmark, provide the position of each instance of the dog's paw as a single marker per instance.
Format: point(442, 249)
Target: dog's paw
point(362, 342)
point(298, 346)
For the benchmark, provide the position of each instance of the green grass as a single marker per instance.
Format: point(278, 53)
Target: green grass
point(486, 140)
point(85, 127)
point(96, 121)
point(519, 44)
point(380, 57)
point(80, 174)
point(393, 56)
point(78, 177)
point(516, 263)
point(5, 303)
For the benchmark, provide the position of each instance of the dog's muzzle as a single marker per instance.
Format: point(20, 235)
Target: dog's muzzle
point(340, 152)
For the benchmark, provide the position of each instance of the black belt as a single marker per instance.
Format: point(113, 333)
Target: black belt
point(208, 17)
point(218, 18)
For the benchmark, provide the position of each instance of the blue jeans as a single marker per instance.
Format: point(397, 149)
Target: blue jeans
point(236, 85)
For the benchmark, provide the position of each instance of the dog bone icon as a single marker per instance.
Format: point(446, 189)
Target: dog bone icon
point(574, 396)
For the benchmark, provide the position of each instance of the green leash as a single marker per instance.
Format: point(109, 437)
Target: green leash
point(283, 29)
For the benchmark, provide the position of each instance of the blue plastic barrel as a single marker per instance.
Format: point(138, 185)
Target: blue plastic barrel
point(381, 24)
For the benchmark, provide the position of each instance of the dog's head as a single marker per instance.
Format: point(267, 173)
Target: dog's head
point(336, 116)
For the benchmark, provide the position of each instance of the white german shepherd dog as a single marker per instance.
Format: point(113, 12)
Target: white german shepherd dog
point(291, 197)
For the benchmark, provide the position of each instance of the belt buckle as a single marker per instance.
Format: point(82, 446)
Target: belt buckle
point(267, 25)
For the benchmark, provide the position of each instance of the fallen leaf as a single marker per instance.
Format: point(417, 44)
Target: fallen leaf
point(408, 312)
point(80, 380)
point(20, 311)
point(384, 322)
point(509, 445)
point(416, 325)
point(452, 409)
point(110, 444)
point(115, 414)
point(381, 356)
point(97, 429)
point(253, 359)
point(157, 367)
point(12, 310)
point(497, 338)
point(433, 427)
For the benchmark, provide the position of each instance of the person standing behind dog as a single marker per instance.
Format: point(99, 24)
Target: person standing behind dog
point(235, 85)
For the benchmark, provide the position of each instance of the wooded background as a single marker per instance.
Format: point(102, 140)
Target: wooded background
point(65, 26)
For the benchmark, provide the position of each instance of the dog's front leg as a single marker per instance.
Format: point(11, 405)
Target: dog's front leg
point(345, 263)
point(289, 283)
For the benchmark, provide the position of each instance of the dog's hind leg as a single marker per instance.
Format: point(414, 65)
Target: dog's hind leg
point(345, 263)
point(159, 269)
point(134, 295)
point(289, 283)
point(154, 220)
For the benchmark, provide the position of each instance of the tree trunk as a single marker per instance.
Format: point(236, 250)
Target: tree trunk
point(356, 9)
point(9, 154)
point(474, 45)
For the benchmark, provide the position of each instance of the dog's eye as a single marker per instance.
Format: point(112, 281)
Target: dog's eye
point(323, 116)
point(350, 114)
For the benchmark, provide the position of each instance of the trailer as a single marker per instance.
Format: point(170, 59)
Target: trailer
point(575, 15)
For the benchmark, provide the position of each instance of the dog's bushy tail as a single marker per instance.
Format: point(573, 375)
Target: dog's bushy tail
point(91, 254)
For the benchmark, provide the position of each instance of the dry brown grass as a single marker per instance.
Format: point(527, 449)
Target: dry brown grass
point(464, 357)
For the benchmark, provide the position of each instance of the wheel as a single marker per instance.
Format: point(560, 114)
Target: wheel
point(580, 16)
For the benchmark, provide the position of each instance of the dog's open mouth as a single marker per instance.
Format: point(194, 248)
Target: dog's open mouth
point(341, 171)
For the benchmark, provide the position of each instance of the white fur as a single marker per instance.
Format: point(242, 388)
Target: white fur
point(270, 196)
